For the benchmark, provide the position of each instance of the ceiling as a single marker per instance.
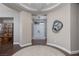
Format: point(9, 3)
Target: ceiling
point(32, 7)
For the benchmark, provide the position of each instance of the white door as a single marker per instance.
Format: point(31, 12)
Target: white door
point(39, 31)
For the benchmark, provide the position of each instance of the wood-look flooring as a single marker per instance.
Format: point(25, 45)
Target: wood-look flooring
point(10, 51)
point(39, 41)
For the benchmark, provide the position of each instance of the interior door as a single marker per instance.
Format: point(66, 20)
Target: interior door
point(39, 31)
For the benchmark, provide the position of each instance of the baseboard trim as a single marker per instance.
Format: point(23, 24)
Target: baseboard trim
point(75, 52)
point(25, 44)
point(16, 43)
point(22, 45)
point(54, 45)
point(69, 52)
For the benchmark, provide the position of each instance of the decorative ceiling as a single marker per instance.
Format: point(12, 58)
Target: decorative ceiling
point(33, 7)
point(39, 6)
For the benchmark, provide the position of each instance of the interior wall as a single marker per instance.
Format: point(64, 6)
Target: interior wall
point(78, 23)
point(25, 28)
point(7, 12)
point(74, 27)
point(62, 38)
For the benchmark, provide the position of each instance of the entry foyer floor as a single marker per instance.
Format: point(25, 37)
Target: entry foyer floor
point(39, 50)
point(17, 49)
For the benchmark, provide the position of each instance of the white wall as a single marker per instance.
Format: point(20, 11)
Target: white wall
point(62, 38)
point(74, 27)
point(25, 28)
point(78, 24)
point(7, 12)
point(22, 24)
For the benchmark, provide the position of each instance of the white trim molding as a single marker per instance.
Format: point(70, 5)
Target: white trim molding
point(16, 43)
point(23, 45)
point(33, 9)
point(75, 52)
point(54, 45)
point(47, 9)
point(62, 48)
